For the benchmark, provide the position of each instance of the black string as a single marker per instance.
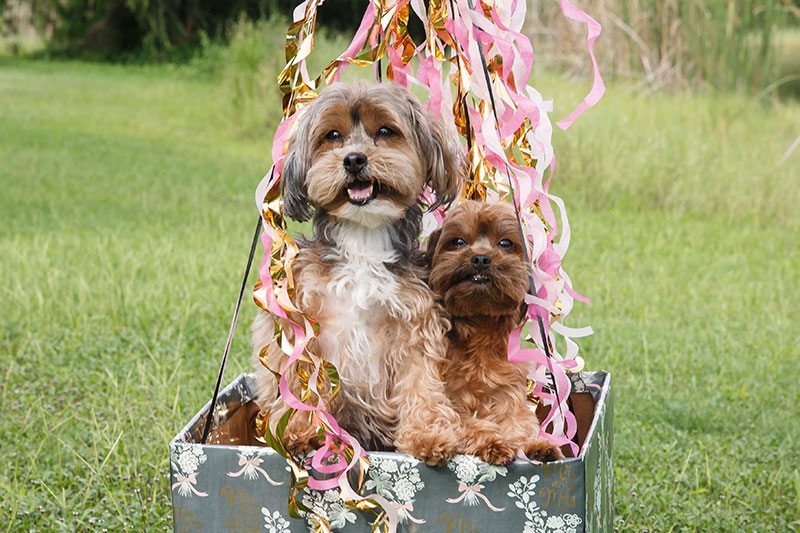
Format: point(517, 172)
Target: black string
point(378, 73)
point(464, 104)
point(531, 281)
point(231, 331)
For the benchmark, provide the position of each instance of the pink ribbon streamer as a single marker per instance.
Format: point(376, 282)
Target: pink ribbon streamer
point(499, 35)
point(593, 29)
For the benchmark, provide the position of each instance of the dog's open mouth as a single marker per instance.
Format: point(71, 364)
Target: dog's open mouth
point(361, 192)
point(480, 278)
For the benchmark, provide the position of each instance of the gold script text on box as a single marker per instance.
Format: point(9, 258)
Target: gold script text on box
point(186, 521)
point(455, 523)
point(561, 491)
point(243, 512)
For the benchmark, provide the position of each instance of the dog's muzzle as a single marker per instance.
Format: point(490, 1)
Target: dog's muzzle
point(359, 191)
point(479, 265)
point(354, 162)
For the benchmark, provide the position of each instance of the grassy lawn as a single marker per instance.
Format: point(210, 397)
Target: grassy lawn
point(126, 195)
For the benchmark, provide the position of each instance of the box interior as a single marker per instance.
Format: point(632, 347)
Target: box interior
point(235, 421)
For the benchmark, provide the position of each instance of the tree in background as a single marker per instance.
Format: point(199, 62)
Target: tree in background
point(110, 28)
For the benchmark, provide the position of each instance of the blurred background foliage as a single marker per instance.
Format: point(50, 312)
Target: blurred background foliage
point(149, 29)
point(751, 45)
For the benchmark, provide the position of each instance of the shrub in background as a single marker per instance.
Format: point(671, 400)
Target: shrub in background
point(251, 63)
point(247, 62)
point(152, 28)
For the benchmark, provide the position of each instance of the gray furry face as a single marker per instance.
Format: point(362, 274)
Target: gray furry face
point(364, 153)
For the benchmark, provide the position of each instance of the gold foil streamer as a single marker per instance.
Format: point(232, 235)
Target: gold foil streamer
point(390, 29)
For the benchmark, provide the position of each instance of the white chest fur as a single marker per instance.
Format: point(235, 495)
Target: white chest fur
point(356, 304)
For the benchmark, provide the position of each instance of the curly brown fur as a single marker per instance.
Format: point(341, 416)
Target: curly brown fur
point(478, 272)
point(357, 162)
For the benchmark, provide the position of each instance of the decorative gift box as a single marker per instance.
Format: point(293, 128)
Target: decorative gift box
point(236, 484)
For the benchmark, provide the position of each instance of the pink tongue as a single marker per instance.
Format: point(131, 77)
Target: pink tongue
point(359, 192)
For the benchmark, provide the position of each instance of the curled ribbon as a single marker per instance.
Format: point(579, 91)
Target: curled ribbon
point(508, 133)
point(593, 29)
point(470, 495)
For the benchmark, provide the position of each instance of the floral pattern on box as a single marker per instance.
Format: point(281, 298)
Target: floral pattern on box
point(536, 519)
point(397, 481)
point(244, 488)
point(330, 506)
point(274, 522)
point(603, 484)
point(472, 473)
point(186, 459)
point(250, 460)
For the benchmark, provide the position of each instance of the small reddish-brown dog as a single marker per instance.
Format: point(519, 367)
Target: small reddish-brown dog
point(478, 272)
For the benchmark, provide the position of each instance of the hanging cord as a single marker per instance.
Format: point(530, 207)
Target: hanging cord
point(231, 331)
point(531, 281)
point(467, 123)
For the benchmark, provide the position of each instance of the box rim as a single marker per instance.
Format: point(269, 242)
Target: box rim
point(180, 437)
point(598, 406)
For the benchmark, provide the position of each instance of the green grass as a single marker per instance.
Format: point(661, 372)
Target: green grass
point(127, 211)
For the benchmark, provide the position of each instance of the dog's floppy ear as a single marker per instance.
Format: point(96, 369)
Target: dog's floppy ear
point(293, 174)
point(446, 163)
point(442, 151)
point(433, 240)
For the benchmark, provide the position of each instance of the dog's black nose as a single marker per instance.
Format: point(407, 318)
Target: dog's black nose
point(481, 262)
point(354, 162)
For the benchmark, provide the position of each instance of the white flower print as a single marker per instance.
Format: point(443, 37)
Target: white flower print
point(331, 496)
point(597, 497)
point(388, 466)
point(598, 476)
point(330, 506)
point(190, 457)
point(404, 489)
point(186, 459)
point(466, 468)
point(249, 465)
point(471, 472)
point(604, 476)
point(399, 481)
point(536, 519)
point(274, 523)
point(188, 462)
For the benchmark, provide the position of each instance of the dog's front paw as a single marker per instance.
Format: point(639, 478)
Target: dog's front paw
point(433, 447)
point(543, 450)
point(300, 443)
point(496, 452)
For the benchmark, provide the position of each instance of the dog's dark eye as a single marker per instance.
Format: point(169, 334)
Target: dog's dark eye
point(333, 135)
point(385, 132)
point(505, 243)
point(458, 242)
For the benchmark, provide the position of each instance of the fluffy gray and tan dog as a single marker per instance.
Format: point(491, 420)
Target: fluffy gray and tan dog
point(357, 162)
point(478, 271)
